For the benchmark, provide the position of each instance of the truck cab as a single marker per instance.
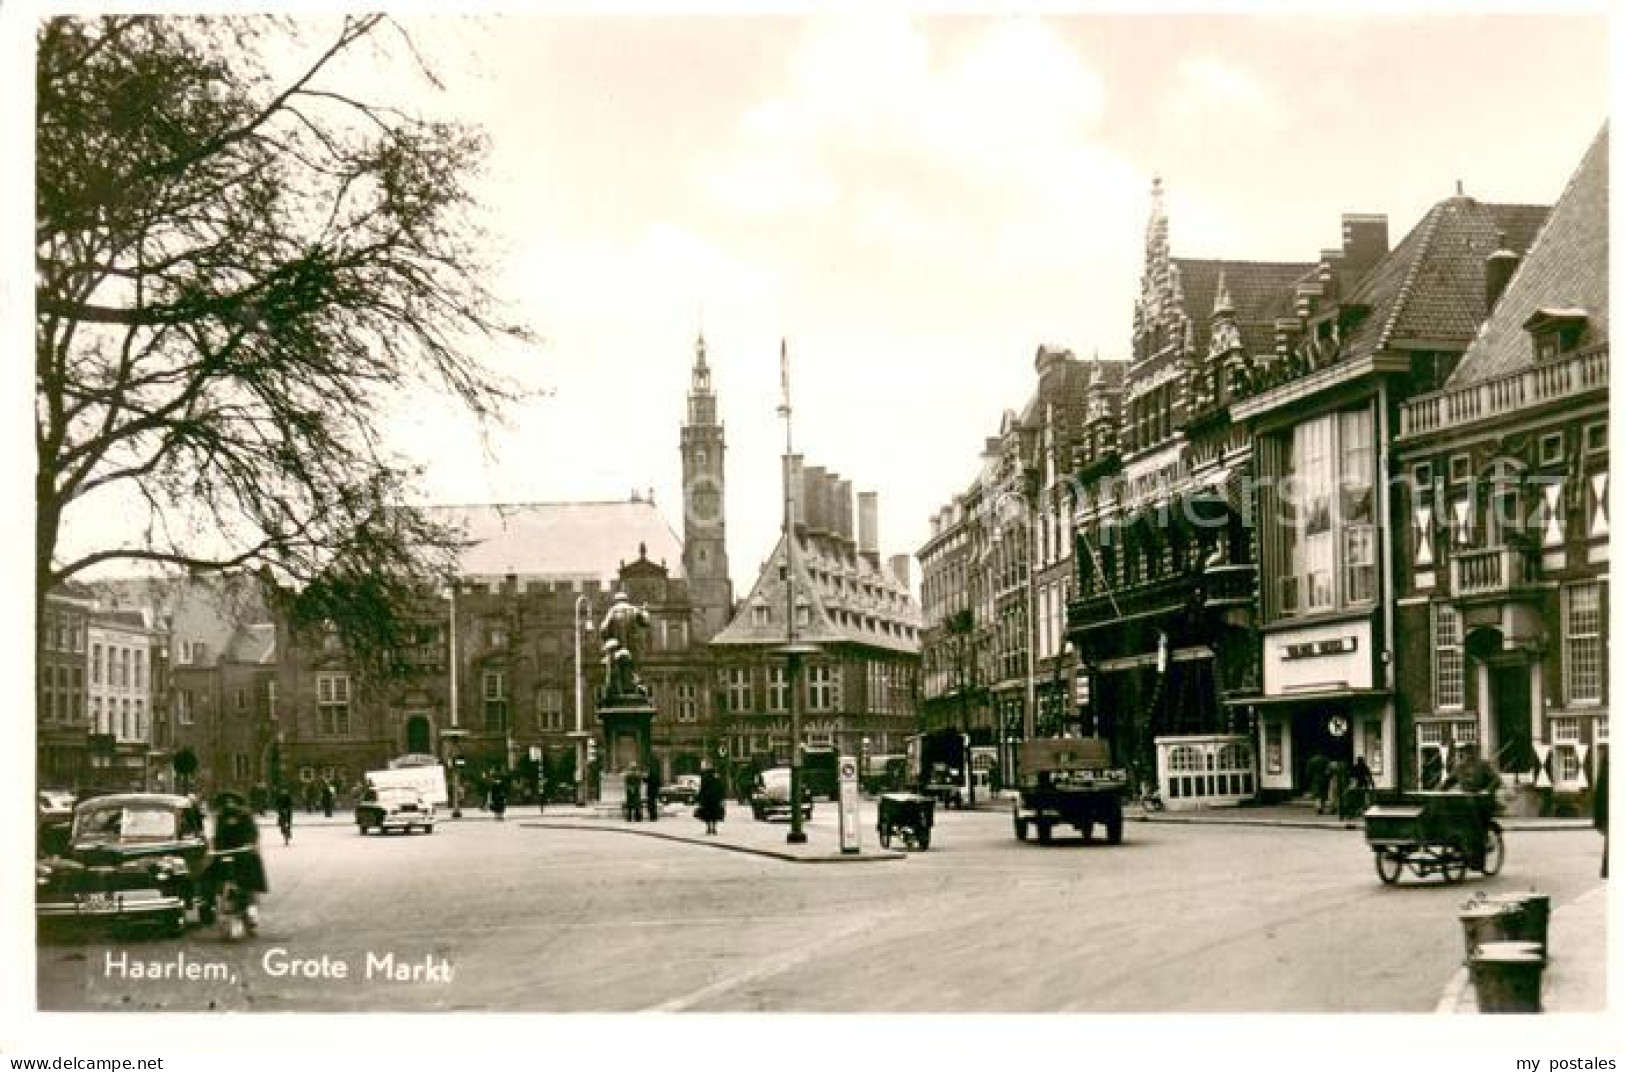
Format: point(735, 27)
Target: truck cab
point(1070, 781)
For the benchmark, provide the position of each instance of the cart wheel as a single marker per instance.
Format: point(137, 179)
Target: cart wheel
point(1021, 830)
point(1453, 865)
point(1389, 866)
point(1495, 852)
point(885, 837)
point(1043, 832)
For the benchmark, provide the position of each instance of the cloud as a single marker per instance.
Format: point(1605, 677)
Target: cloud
point(1212, 100)
point(877, 114)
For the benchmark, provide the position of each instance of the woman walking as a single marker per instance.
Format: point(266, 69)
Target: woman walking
point(710, 810)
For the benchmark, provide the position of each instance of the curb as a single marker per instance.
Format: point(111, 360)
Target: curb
point(1308, 824)
point(876, 856)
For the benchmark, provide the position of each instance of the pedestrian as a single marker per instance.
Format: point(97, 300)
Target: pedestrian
point(1473, 776)
point(1361, 783)
point(1315, 774)
point(497, 797)
point(1599, 809)
point(284, 814)
point(1337, 784)
point(651, 792)
point(633, 783)
point(710, 809)
point(327, 798)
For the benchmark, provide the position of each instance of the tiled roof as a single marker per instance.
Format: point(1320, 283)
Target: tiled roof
point(850, 600)
point(563, 541)
point(1567, 266)
point(1260, 291)
point(1431, 287)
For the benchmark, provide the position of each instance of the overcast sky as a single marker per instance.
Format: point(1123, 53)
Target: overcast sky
point(916, 203)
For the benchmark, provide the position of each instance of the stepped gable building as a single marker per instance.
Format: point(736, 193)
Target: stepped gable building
point(1320, 409)
point(856, 607)
point(1165, 559)
point(1501, 556)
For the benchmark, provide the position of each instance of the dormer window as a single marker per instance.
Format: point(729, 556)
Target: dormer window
point(1555, 331)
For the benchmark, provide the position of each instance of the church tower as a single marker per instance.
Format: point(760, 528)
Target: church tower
point(705, 543)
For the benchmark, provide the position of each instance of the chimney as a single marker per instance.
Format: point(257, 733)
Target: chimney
point(843, 510)
point(869, 525)
point(901, 568)
point(812, 502)
point(1365, 242)
point(1498, 270)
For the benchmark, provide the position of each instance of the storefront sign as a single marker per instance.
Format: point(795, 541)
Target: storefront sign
point(1344, 645)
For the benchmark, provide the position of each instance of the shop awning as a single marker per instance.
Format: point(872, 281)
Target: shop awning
point(1329, 695)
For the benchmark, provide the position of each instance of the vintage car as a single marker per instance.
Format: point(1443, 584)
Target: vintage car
point(394, 808)
point(130, 856)
point(684, 789)
point(771, 798)
point(53, 819)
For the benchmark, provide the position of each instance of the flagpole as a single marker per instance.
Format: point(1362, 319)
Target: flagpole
point(792, 651)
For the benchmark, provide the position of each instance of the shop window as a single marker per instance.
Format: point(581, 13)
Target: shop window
point(1372, 734)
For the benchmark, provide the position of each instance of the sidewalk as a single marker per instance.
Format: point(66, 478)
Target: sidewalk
point(1576, 976)
point(1303, 816)
point(738, 833)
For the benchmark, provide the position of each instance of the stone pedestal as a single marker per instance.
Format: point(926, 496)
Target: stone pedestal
point(625, 722)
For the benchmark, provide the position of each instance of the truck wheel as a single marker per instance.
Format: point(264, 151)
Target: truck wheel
point(923, 839)
point(1043, 832)
point(1114, 829)
point(885, 837)
point(1021, 829)
point(1087, 829)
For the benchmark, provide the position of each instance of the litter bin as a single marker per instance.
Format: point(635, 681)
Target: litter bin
point(1507, 976)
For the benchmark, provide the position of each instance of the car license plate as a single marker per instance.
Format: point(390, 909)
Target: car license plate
point(95, 902)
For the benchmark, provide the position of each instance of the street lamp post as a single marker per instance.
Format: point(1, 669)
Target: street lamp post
point(583, 604)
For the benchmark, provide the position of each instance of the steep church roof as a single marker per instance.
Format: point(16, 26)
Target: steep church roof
point(563, 541)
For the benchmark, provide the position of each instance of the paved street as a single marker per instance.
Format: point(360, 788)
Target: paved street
point(518, 916)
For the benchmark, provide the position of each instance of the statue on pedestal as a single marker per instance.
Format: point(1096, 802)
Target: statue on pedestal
point(622, 625)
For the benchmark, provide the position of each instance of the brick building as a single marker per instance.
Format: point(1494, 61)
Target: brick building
point(1501, 563)
point(1322, 409)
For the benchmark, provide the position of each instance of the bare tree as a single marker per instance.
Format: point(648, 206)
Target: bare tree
point(236, 275)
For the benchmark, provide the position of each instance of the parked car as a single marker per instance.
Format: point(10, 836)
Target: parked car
point(771, 797)
point(394, 808)
point(53, 819)
point(684, 789)
point(129, 856)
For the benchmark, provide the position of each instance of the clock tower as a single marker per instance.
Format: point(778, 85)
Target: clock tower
point(705, 545)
